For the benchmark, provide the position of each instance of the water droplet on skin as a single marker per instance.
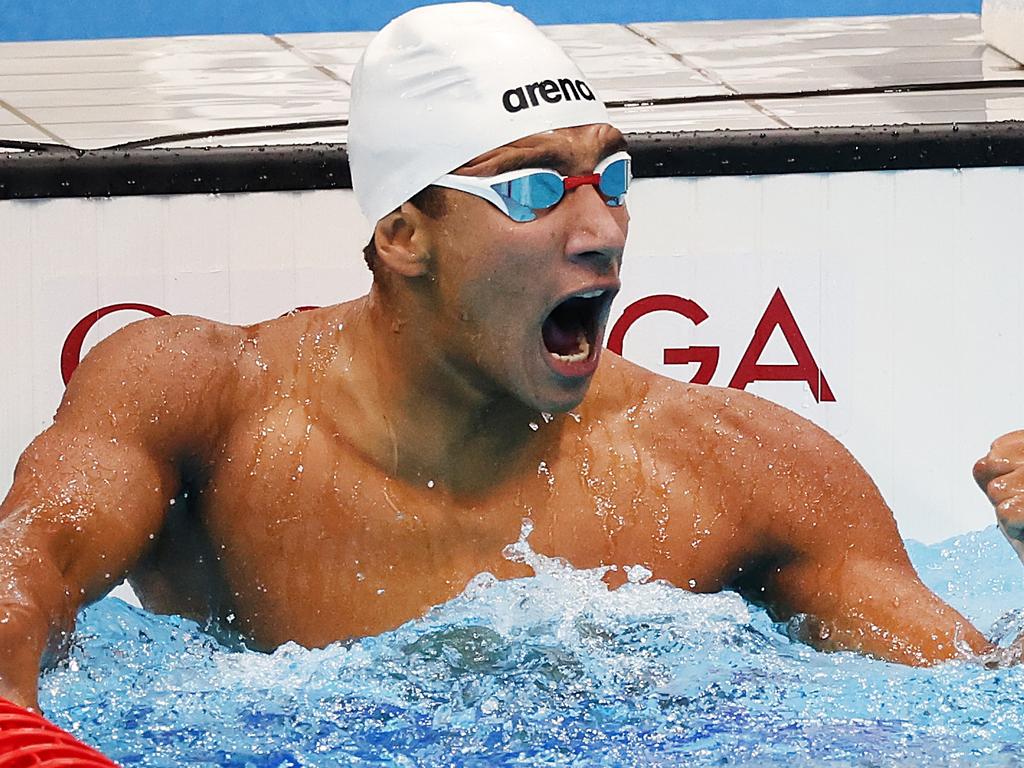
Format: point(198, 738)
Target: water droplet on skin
point(547, 417)
point(430, 483)
point(692, 583)
point(534, 426)
point(380, 591)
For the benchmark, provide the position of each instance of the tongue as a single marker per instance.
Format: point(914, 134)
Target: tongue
point(562, 338)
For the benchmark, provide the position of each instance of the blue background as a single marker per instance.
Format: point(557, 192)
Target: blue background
point(72, 19)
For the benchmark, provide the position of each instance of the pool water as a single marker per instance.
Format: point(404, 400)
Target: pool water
point(553, 670)
point(59, 19)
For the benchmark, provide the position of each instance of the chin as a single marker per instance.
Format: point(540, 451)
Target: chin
point(561, 401)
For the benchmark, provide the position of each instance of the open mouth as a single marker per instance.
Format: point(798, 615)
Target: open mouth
point(570, 331)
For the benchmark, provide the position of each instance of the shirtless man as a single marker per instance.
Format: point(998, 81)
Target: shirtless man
point(336, 473)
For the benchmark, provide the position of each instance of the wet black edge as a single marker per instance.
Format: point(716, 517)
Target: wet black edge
point(111, 173)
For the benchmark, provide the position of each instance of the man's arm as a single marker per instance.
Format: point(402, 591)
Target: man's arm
point(836, 562)
point(80, 513)
point(91, 492)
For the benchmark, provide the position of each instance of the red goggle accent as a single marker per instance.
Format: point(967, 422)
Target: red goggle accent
point(571, 182)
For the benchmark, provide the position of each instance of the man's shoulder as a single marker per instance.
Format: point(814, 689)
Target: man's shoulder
point(158, 342)
point(176, 362)
point(186, 350)
point(698, 412)
point(765, 452)
point(627, 385)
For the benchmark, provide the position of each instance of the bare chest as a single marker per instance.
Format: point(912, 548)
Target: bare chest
point(310, 542)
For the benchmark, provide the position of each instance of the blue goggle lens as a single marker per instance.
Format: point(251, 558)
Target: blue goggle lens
point(539, 191)
point(525, 195)
point(615, 182)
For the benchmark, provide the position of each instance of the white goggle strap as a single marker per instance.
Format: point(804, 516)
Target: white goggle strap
point(481, 186)
point(473, 186)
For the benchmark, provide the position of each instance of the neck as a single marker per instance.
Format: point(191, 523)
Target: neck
point(418, 414)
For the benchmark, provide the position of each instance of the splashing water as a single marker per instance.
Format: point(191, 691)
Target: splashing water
point(553, 670)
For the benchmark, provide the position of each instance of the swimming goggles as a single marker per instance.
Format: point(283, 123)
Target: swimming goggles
point(520, 194)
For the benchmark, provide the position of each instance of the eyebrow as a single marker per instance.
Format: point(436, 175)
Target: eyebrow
point(555, 160)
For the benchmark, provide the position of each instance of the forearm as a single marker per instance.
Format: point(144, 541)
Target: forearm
point(24, 635)
point(36, 616)
point(877, 608)
point(900, 638)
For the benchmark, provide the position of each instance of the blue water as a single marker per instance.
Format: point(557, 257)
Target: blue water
point(554, 670)
point(60, 19)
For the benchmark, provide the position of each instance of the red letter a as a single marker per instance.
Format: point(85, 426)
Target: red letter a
point(778, 315)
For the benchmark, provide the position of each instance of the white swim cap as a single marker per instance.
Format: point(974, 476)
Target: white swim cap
point(442, 84)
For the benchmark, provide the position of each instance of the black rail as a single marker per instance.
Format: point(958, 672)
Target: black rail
point(54, 171)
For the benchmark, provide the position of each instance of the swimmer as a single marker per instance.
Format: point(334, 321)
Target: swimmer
point(335, 473)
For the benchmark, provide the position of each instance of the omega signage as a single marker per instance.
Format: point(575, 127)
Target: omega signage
point(777, 315)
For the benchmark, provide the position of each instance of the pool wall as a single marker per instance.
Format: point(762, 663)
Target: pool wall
point(857, 276)
point(1003, 24)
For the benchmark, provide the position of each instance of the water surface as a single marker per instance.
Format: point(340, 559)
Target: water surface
point(553, 670)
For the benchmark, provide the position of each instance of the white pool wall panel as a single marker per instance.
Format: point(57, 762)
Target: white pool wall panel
point(1002, 21)
point(905, 285)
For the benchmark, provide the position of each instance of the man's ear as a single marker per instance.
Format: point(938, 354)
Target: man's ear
point(402, 241)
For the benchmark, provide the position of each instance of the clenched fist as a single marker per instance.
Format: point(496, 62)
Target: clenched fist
point(1001, 476)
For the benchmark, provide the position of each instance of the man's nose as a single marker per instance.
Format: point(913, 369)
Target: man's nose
point(597, 233)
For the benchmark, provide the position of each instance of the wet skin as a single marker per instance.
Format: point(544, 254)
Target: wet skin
point(1000, 474)
point(336, 473)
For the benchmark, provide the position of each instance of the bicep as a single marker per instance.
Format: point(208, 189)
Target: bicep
point(93, 490)
point(84, 505)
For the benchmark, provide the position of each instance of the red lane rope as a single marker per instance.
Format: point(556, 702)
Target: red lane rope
point(28, 740)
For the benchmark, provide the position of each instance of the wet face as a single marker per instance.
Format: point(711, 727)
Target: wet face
point(523, 305)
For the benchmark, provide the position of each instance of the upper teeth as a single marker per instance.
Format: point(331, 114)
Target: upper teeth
point(590, 294)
